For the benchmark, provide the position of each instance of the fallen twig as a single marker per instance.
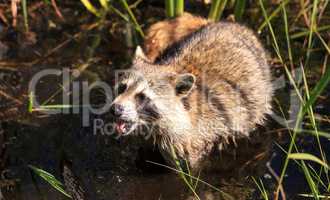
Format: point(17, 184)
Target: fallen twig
point(4, 94)
point(57, 11)
point(277, 178)
point(14, 11)
point(2, 17)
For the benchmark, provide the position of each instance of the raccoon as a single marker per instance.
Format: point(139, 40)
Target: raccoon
point(199, 92)
point(164, 34)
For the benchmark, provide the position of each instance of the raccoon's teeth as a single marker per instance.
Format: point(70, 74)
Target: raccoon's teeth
point(121, 127)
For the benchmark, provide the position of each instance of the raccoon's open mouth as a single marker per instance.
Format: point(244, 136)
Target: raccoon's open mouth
point(124, 127)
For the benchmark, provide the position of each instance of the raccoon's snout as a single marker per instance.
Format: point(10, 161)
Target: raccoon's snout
point(116, 110)
point(124, 120)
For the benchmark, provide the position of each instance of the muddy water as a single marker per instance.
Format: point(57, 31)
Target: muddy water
point(110, 168)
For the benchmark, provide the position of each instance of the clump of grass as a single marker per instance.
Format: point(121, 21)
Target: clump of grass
point(174, 8)
point(132, 17)
point(261, 188)
point(272, 15)
point(49, 178)
point(188, 178)
point(185, 176)
point(307, 100)
point(217, 8)
point(239, 9)
point(107, 7)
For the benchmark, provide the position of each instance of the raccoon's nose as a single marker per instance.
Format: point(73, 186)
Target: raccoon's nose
point(116, 110)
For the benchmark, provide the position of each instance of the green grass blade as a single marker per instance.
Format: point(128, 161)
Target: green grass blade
point(312, 28)
point(25, 15)
point(169, 8)
point(31, 102)
point(179, 7)
point(49, 178)
point(217, 8)
point(197, 180)
point(118, 12)
point(132, 17)
point(277, 50)
point(90, 7)
point(239, 9)
point(310, 181)
point(57, 106)
point(104, 4)
point(318, 89)
point(188, 171)
point(309, 157)
point(312, 196)
point(229, 197)
point(311, 113)
point(272, 15)
point(314, 133)
point(317, 176)
point(306, 32)
point(221, 9)
point(287, 35)
point(299, 34)
point(214, 7)
point(267, 21)
point(261, 188)
point(326, 46)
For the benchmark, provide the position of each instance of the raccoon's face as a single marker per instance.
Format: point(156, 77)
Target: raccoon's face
point(149, 98)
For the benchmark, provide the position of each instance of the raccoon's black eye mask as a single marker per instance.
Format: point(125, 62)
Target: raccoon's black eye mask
point(146, 108)
point(121, 88)
point(184, 84)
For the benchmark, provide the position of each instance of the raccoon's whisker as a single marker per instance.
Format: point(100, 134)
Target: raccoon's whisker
point(147, 117)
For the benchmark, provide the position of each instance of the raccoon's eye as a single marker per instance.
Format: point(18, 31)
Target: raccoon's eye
point(140, 97)
point(121, 88)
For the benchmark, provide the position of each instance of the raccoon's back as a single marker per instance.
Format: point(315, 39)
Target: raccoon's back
point(164, 34)
point(230, 65)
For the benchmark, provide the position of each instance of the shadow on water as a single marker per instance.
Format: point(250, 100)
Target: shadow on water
point(110, 168)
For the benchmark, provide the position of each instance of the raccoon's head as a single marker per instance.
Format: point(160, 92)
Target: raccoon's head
point(150, 95)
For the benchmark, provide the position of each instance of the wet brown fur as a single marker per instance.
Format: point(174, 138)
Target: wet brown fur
point(232, 92)
point(163, 34)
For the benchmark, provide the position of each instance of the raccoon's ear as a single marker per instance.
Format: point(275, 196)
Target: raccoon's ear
point(139, 54)
point(184, 84)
